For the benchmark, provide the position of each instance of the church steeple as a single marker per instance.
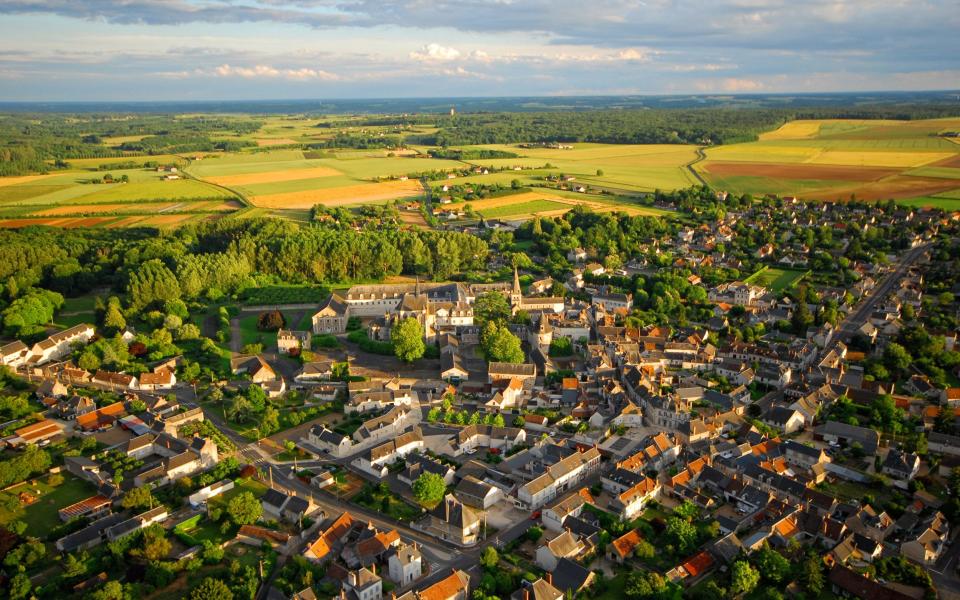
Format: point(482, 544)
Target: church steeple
point(516, 295)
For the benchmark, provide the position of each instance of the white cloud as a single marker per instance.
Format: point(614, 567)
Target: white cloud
point(266, 71)
point(435, 52)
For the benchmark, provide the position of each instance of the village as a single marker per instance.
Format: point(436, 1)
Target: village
point(610, 448)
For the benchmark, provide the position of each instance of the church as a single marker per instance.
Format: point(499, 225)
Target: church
point(438, 307)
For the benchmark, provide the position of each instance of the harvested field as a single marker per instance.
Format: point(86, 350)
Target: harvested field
point(18, 223)
point(267, 142)
point(794, 130)
point(797, 171)
point(5, 181)
point(86, 222)
point(897, 188)
point(165, 220)
point(18, 193)
point(81, 209)
point(953, 161)
point(126, 222)
point(273, 176)
point(354, 194)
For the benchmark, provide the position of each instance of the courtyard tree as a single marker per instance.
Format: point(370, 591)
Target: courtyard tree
point(407, 339)
point(429, 489)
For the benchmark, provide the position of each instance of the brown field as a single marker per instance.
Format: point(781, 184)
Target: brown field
point(953, 161)
point(165, 220)
point(341, 196)
point(266, 142)
point(273, 176)
point(18, 223)
point(5, 181)
point(80, 209)
point(894, 187)
point(126, 222)
point(798, 171)
point(87, 222)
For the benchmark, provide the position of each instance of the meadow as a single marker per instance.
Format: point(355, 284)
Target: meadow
point(775, 279)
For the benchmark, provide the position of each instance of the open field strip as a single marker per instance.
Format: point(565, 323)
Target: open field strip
point(6, 181)
point(267, 142)
point(776, 279)
point(939, 172)
point(273, 176)
point(341, 196)
point(951, 204)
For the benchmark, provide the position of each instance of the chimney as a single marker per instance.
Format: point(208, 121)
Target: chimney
point(446, 504)
point(526, 594)
point(550, 578)
point(373, 568)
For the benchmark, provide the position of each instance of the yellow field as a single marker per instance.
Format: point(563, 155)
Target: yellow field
point(5, 181)
point(75, 209)
point(273, 176)
point(877, 159)
point(341, 196)
point(481, 205)
point(794, 130)
point(267, 142)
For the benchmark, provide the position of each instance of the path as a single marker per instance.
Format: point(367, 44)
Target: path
point(236, 339)
point(701, 156)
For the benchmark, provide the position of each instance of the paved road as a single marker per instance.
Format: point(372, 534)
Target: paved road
point(856, 319)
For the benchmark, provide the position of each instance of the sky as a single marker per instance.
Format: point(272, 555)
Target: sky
point(130, 50)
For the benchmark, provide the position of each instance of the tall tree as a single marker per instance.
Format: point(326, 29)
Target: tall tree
point(407, 337)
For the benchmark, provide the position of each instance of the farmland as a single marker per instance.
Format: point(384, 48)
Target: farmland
point(839, 159)
point(271, 171)
point(81, 197)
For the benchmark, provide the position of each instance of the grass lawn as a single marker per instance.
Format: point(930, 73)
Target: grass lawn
point(284, 294)
point(388, 504)
point(776, 280)
point(41, 516)
point(249, 334)
point(240, 486)
point(615, 586)
point(75, 311)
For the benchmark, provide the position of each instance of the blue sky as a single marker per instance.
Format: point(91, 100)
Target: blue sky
point(288, 49)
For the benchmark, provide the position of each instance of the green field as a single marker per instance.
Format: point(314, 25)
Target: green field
point(951, 204)
point(523, 208)
point(42, 514)
point(775, 279)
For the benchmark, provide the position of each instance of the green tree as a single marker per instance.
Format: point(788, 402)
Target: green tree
point(489, 559)
point(499, 345)
point(682, 532)
point(151, 283)
point(113, 318)
point(211, 589)
point(896, 358)
point(491, 306)
point(139, 497)
point(19, 586)
point(244, 509)
point(407, 339)
point(269, 421)
point(772, 565)
point(743, 578)
point(811, 574)
point(156, 546)
point(429, 489)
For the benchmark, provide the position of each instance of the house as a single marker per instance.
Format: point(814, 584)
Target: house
point(623, 547)
point(162, 379)
point(405, 564)
point(559, 477)
point(841, 433)
point(60, 344)
point(566, 545)
point(850, 584)
point(289, 340)
point(254, 366)
point(102, 418)
point(332, 316)
point(902, 466)
point(376, 460)
point(92, 535)
point(51, 388)
point(541, 589)
point(116, 381)
point(363, 584)
point(802, 455)
point(452, 368)
point(498, 371)
point(284, 507)
point(314, 371)
point(455, 586)
point(631, 502)
point(328, 441)
point(785, 419)
point(418, 464)
point(14, 354)
point(570, 577)
point(321, 548)
point(924, 540)
point(477, 494)
point(454, 521)
point(554, 516)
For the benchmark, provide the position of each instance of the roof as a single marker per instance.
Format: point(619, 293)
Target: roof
point(449, 587)
point(625, 544)
point(522, 369)
point(697, 564)
point(322, 546)
point(39, 430)
point(861, 587)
